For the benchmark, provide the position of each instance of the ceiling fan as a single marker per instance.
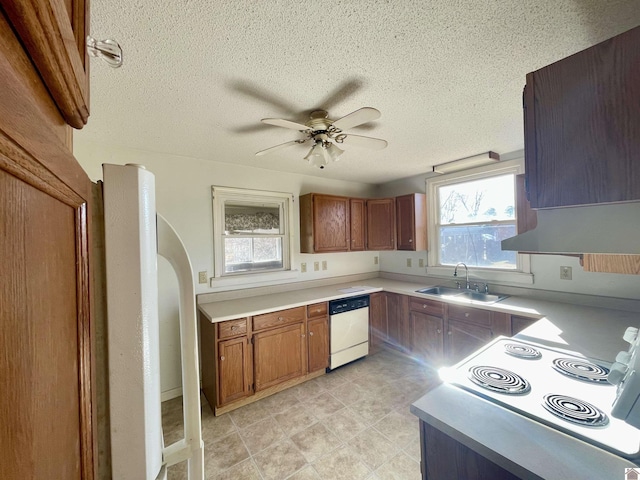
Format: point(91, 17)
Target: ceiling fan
point(325, 134)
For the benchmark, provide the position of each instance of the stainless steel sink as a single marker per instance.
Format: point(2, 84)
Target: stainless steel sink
point(478, 297)
point(439, 290)
point(464, 295)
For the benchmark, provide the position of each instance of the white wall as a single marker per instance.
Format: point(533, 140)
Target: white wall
point(545, 268)
point(183, 197)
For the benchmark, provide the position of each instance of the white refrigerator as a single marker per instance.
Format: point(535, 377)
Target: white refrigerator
point(134, 237)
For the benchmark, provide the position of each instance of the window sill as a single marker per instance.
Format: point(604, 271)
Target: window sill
point(483, 275)
point(251, 280)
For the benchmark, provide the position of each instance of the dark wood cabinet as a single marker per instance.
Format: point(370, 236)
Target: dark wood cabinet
point(464, 338)
point(443, 334)
point(279, 355)
point(519, 323)
point(427, 321)
point(381, 224)
point(54, 34)
point(446, 458)
point(225, 351)
point(411, 222)
point(358, 213)
point(389, 322)
point(318, 336)
point(50, 211)
point(234, 369)
point(325, 224)
point(582, 126)
point(398, 326)
point(427, 339)
point(377, 321)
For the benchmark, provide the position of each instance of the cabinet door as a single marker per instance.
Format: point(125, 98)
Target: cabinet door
point(54, 33)
point(462, 339)
point(398, 329)
point(279, 355)
point(358, 224)
point(331, 224)
point(411, 222)
point(582, 126)
point(377, 321)
point(48, 315)
point(234, 370)
point(381, 224)
point(318, 343)
point(520, 323)
point(428, 337)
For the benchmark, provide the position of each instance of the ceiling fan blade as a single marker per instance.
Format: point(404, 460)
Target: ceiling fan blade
point(366, 142)
point(356, 118)
point(279, 122)
point(278, 147)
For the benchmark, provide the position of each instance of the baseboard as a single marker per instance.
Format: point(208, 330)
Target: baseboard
point(171, 394)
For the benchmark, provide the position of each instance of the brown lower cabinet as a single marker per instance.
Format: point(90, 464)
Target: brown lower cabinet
point(249, 358)
point(446, 458)
point(389, 321)
point(318, 336)
point(444, 334)
point(279, 355)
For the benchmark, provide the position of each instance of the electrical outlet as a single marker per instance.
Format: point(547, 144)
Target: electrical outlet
point(409, 262)
point(375, 260)
point(565, 273)
point(303, 267)
point(316, 266)
point(421, 262)
point(202, 277)
point(324, 264)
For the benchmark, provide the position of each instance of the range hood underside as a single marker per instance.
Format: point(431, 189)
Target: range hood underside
point(603, 228)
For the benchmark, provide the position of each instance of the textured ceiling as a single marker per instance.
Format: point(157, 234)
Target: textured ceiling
point(446, 75)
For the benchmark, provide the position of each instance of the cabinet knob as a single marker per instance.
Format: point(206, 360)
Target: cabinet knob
point(302, 335)
point(438, 331)
point(235, 327)
point(411, 240)
point(280, 319)
point(222, 357)
point(466, 314)
point(449, 332)
point(424, 306)
point(311, 334)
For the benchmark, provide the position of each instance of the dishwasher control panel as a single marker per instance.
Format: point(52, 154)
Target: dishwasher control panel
point(347, 304)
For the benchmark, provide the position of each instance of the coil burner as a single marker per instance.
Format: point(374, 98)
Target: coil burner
point(522, 351)
point(575, 411)
point(499, 380)
point(582, 370)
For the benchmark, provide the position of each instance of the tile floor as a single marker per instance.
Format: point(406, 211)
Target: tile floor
point(353, 423)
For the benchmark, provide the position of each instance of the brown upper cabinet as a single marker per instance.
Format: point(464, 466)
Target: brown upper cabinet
point(381, 224)
point(324, 223)
point(411, 222)
point(54, 33)
point(358, 224)
point(582, 126)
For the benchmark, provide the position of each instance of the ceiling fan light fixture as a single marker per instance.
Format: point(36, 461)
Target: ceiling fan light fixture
point(317, 156)
point(334, 152)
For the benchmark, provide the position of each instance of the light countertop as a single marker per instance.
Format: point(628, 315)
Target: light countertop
point(522, 446)
point(595, 332)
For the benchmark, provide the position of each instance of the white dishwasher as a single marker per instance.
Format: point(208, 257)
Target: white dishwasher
point(349, 327)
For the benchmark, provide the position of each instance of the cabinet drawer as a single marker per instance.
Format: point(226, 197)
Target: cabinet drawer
point(276, 319)
point(232, 328)
point(471, 315)
point(424, 305)
point(317, 310)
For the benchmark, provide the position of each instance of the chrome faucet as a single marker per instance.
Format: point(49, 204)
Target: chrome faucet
point(455, 274)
